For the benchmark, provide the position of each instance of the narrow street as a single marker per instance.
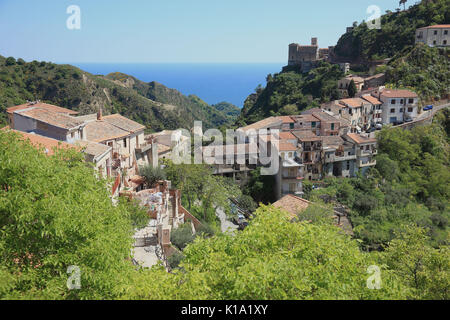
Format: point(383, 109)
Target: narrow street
point(225, 224)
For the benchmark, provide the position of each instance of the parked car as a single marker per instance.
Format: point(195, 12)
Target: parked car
point(373, 129)
point(379, 126)
point(409, 120)
point(427, 108)
point(238, 219)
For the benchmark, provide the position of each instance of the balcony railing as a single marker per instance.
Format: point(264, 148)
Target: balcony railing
point(143, 147)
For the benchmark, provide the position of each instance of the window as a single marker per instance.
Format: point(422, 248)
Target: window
point(137, 141)
point(393, 101)
point(434, 42)
point(290, 154)
point(348, 165)
point(392, 110)
point(401, 109)
point(283, 155)
point(291, 126)
point(410, 109)
point(444, 42)
point(313, 124)
point(125, 142)
point(446, 32)
point(72, 135)
point(402, 101)
point(435, 32)
point(410, 101)
point(332, 126)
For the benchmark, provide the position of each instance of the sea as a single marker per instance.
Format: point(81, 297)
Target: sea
point(212, 82)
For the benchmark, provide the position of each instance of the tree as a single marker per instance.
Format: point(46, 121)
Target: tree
point(404, 3)
point(10, 61)
point(352, 89)
point(55, 213)
point(152, 175)
point(423, 268)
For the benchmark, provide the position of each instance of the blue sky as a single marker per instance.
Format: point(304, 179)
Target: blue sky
point(174, 30)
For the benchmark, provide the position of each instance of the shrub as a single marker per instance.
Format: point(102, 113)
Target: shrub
point(182, 236)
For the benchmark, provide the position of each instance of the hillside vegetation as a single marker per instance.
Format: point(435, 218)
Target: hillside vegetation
point(152, 104)
point(397, 32)
point(422, 69)
point(291, 91)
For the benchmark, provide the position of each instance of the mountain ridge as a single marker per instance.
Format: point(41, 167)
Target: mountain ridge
point(152, 104)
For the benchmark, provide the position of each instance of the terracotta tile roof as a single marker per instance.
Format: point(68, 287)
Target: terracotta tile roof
point(286, 119)
point(306, 135)
point(359, 139)
point(99, 131)
point(287, 136)
point(48, 144)
point(292, 204)
point(286, 146)
point(94, 149)
point(123, 123)
point(51, 117)
point(398, 94)
point(353, 102)
point(306, 117)
point(437, 26)
point(263, 124)
point(41, 105)
point(323, 116)
point(332, 141)
point(372, 99)
point(356, 79)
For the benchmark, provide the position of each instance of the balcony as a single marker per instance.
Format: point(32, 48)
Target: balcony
point(339, 158)
point(143, 147)
point(370, 163)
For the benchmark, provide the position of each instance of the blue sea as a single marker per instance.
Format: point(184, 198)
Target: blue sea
point(212, 82)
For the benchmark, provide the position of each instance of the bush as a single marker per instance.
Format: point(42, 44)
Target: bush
point(182, 236)
point(10, 61)
point(175, 259)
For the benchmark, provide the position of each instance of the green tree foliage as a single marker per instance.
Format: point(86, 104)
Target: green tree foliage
point(202, 191)
point(152, 175)
point(352, 89)
point(54, 213)
point(272, 259)
point(294, 89)
point(260, 188)
point(422, 69)
point(397, 32)
point(424, 269)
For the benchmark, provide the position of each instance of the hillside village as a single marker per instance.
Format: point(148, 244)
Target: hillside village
point(333, 146)
point(336, 140)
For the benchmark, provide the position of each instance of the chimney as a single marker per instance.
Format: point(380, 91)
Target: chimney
point(99, 115)
point(314, 41)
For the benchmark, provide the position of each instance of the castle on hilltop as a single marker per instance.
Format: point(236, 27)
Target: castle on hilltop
point(307, 56)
